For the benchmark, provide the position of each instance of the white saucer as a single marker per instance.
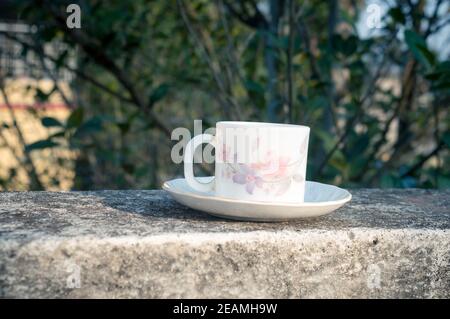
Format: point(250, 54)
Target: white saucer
point(320, 199)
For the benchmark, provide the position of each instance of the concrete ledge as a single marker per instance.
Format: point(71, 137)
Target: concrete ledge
point(385, 243)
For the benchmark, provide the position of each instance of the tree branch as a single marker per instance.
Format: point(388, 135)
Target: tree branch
point(290, 52)
point(205, 55)
point(352, 122)
point(75, 71)
point(424, 159)
point(231, 51)
point(256, 21)
point(55, 82)
point(96, 52)
point(405, 99)
point(433, 18)
point(30, 168)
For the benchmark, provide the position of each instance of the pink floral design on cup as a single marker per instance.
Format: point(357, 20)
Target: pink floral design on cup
point(274, 174)
point(248, 177)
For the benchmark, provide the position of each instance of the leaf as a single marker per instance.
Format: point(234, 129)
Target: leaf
point(397, 15)
point(418, 47)
point(387, 181)
point(346, 46)
point(339, 162)
point(360, 145)
point(429, 56)
point(327, 139)
point(50, 122)
point(408, 182)
point(40, 145)
point(75, 119)
point(60, 60)
point(124, 127)
point(275, 41)
point(443, 85)
point(41, 96)
point(446, 138)
point(440, 76)
point(444, 66)
point(94, 124)
point(128, 168)
point(254, 86)
point(443, 182)
point(57, 134)
point(12, 172)
point(356, 165)
point(158, 93)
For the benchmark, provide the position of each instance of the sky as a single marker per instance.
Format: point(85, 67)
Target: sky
point(367, 25)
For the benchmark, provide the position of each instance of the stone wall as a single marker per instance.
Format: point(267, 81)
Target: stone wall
point(128, 244)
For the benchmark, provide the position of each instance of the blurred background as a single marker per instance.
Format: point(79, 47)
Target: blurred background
point(92, 105)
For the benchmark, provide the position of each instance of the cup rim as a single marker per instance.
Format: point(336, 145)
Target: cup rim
point(247, 124)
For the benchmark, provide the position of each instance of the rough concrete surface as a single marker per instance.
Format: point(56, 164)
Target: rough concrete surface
point(128, 244)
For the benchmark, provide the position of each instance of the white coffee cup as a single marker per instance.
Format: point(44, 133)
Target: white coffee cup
point(254, 161)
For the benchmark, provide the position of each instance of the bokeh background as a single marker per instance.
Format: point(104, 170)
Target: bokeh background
point(94, 107)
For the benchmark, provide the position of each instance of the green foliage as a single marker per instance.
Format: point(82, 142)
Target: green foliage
point(158, 93)
point(75, 119)
point(440, 76)
point(39, 145)
point(378, 106)
point(418, 47)
point(50, 122)
point(397, 15)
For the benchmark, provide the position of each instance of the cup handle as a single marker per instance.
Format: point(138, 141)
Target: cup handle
point(189, 163)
